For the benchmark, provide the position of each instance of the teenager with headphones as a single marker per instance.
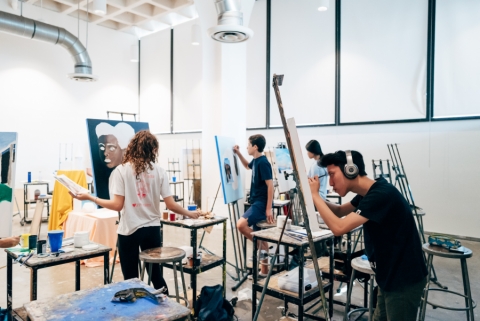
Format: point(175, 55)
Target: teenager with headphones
point(392, 243)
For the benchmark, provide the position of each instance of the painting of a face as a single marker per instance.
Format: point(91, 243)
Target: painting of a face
point(108, 141)
point(110, 151)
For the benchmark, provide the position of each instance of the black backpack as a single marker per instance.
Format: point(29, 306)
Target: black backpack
point(211, 306)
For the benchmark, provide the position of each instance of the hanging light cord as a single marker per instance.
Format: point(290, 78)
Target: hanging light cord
point(86, 41)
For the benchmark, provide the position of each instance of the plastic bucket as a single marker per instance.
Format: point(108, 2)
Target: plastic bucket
point(192, 207)
point(55, 238)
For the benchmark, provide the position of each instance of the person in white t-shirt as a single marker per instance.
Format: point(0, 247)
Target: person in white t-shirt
point(135, 189)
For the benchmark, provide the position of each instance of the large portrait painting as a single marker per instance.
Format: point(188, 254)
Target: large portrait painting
point(230, 171)
point(108, 141)
point(8, 160)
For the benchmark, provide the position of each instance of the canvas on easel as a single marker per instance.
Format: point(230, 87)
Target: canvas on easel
point(282, 165)
point(8, 161)
point(230, 170)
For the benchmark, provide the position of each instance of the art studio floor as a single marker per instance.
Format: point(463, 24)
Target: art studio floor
point(60, 279)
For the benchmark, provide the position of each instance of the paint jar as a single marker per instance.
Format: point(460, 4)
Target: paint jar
point(174, 179)
point(24, 240)
point(165, 215)
point(41, 246)
point(29, 177)
point(32, 242)
point(281, 220)
point(282, 197)
point(192, 207)
point(173, 216)
point(55, 238)
point(289, 224)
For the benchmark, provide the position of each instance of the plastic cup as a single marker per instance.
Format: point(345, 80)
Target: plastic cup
point(32, 242)
point(192, 207)
point(174, 179)
point(55, 237)
point(173, 216)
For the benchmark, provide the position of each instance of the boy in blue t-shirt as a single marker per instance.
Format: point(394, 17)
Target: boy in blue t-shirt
point(261, 188)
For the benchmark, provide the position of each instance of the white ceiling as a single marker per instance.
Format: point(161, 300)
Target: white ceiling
point(138, 17)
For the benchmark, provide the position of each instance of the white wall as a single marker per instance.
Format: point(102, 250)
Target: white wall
point(440, 161)
point(44, 107)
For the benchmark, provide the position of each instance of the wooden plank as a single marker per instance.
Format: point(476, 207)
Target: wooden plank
point(95, 304)
point(189, 223)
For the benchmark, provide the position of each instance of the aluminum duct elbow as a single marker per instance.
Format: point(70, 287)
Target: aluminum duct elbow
point(32, 29)
point(230, 27)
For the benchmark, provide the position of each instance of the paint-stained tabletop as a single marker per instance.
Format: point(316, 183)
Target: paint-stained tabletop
point(189, 223)
point(95, 304)
point(77, 253)
point(273, 235)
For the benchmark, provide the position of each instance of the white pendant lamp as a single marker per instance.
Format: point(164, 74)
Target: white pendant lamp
point(196, 35)
point(134, 53)
point(100, 7)
point(323, 5)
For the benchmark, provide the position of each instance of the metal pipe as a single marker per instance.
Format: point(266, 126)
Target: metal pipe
point(229, 12)
point(32, 29)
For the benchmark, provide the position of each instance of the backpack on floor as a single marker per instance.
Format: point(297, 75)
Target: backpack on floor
point(211, 306)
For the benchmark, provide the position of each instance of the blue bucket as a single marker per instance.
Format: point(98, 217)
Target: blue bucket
point(192, 207)
point(55, 238)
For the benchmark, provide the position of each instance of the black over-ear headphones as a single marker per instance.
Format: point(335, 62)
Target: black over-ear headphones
point(350, 170)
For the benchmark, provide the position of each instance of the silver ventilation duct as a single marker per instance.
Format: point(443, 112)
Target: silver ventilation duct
point(230, 27)
point(32, 29)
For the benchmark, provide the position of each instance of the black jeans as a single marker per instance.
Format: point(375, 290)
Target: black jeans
point(128, 249)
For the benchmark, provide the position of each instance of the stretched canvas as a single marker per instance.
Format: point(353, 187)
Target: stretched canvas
point(282, 164)
point(108, 141)
point(230, 171)
point(8, 161)
point(302, 175)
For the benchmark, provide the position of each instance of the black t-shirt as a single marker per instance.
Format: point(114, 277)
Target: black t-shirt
point(392, 242)
point(261, 172)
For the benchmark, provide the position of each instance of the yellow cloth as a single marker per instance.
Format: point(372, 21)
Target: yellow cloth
point(62, 202)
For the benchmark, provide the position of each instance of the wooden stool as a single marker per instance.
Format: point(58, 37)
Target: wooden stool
point(161, 255)
point(432, 250)
point(361, 266)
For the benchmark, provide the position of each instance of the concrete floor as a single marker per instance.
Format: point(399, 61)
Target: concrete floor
point(60, 279)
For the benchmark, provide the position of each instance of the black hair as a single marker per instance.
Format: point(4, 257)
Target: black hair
point(339, 158)
point(314, 147)
point(259, 141)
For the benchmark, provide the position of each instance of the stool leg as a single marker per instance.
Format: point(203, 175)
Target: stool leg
point(466, 290)
point(149, 272)
point(349, 294)
point(370, 302)
point(423, 309)
point(176, 280)
point(143, 271)
point(183, 283)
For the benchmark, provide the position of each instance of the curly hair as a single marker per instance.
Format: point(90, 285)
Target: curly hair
point(142, 151)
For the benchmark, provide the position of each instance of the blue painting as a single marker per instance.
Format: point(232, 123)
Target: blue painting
point(108, 141)
point(230, 171)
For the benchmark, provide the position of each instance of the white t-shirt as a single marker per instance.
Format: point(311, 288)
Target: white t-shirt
point(142, 196)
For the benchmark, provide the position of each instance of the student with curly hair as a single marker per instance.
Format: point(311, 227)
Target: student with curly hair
point(135, 190)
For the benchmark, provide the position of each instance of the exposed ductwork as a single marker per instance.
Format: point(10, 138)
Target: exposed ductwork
point(230, 27)
point(32, 29)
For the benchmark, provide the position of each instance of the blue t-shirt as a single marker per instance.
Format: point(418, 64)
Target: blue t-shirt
point(261, 172)
point(316, 170)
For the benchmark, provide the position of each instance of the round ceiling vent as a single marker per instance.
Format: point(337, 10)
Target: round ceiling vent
point(82, 77)
point(230, 33)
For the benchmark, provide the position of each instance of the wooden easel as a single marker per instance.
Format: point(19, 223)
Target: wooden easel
point(301, 190)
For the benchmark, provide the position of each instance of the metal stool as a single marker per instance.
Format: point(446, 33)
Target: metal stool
point(161, 255)
point(432, 250)
point(361, 266)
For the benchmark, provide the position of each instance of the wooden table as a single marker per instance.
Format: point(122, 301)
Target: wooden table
point(302, 297)
point(95, 304)
point(35, 263)
point(208, 261)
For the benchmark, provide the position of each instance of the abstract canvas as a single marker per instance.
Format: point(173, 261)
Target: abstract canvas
point(108, 141)
point(230, 170)
point(8, 160)
point(282, 164)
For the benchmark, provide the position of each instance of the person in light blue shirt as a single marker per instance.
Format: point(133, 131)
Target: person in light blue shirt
point(314, 151)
